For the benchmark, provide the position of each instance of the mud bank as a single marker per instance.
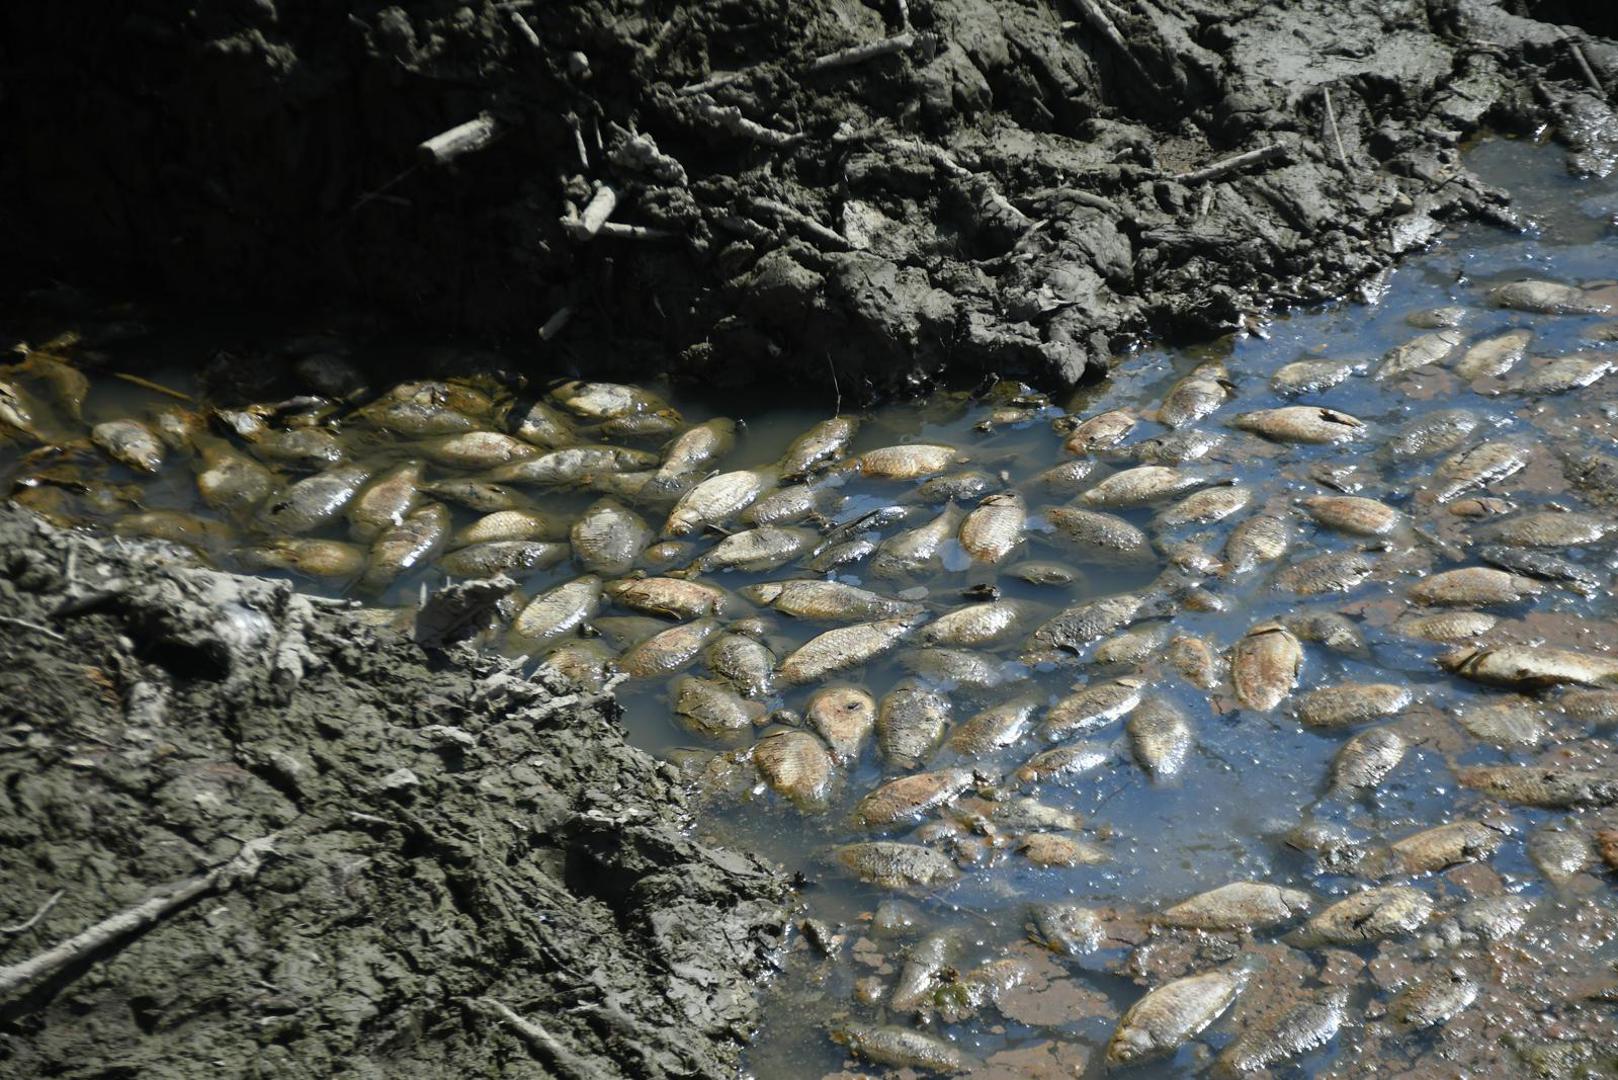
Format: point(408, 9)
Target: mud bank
point(883, 191)
point(355, 856)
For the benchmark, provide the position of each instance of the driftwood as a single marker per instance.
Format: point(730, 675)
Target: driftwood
point(785, 214)
point(1233, 164)
point(595, 214)
point(859, 54)
point(462, 139)
point(243, 866)
point(1331, 124)
point(1585, 69)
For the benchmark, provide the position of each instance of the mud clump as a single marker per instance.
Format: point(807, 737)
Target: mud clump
point(943, 187)
point(355, 855)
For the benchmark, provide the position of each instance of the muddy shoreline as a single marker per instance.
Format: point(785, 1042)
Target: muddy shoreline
point(897, 192)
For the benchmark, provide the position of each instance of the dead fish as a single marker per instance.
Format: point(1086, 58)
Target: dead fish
point(911, 723)
point(1100, 537)
point(908, 799)
point(994, 528)
point(574, 465)
point(692, 451)
point(175, 527)
point(1195, 396)
point(961, 669)
point(1057, 849)
point(1352, 514)
point(1444, 846)
point(304, 448)
point(608, 537)
point(1311, 376)
point(475, 450)
point(1063, 764)
point(1419, 352)
point(1262, 538)
point(609, 401)
point(494, 557)
point(1365, 761)
point(826, 601)
point(1304, 1027)
point(329, 560)
point(716, 500)
point(130, 443)
point(923, 970)
point(669, 650)
point(844, 716)
point(1372, 915)
point(994, 728)
point(901, 1048)
point(1087, 622)
point(1264, 666)
point(917, 550)
point(416, 419)
point(1161, 1022)
point(403, 547)
point(1067, 929)
point(1335, 571)
point(230, 482)
point(1434, 1000)
point(1531, 667)
point(1447, 626)
point(842, 648)
point(1329, 628)
point(1205, 507)
point(1100, 432)
point(743, 661)
point(1044, 573)
point(1487, 919)
point(1550, 529)
point(1546, 298)
point(963, 486)
point(560, 611)
point(1241, 905)
point(1481, 506)
point(1560, 853)
point(1478, 467)
point(1133, 646)
point(384, 502)
point(1160, 735)
point(1473, 586)
point(908, 461)
point(1564, 373)
point(1195, 661)
point(1433, 433)
point(767, 547)
point(1519, 722)
point(1547, 786)
point(1352, 703)
point(1066, 479)
point(646, 425)
point(1437, 318)
point(542, 425)
point(711, 708)
point(783, 507)
point(976, 624)
point(511, 525)
point(1598, 707)
point(314, 500)
point(1494, 356)
point(796, 766)
point(478, 495)
point(1301, 424)
point(1141, 486)
point(895, 865)
point(818, 447)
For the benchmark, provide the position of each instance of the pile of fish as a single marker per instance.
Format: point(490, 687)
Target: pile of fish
point(928, 642)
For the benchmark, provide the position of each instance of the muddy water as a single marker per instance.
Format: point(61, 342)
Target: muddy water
point(1007, 1003)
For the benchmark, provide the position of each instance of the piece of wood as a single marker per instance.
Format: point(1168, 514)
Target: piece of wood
point(1232, 164)
point(1584, 67)
point(801, 221)
point(1098, 21)
point(859, 54)
point(459, 141)
point(730, 118)
point(1331, 122)
point(548, 1047)
point(33, 920)
point(556, 323)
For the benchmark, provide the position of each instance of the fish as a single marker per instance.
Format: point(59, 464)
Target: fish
point(1241, 905)
point(411, 543)
point(842, 648)
point(896, 865)
point(608, 537)
point(1160, 735)
point(1161, 1022)
point(1264, 666)
point(844, 716)
point(911, 723)
point(819, 447)
point(1302, 424)
point(796, 765)
point(992, 531)
point(716, 500)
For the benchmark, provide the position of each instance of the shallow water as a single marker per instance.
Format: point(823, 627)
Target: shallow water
point(1250, 776)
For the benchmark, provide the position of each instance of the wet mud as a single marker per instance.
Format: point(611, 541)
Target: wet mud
point(883, 193)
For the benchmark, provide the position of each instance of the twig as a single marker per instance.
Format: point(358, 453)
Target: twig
point(564, 1061)
point(156, 388)
point(731, 119)
point(904, 13)
point(595, 215)
point(1102, 25)
point(18, 928)
point(459, 140)
point(380, 192)
point(715, 81)
point(34, 626)
point(1331, 122)
point(838, 408)
point(618, 231)
point(243, 866)
point(1584, 67)
point(803, 221)
point(524, 30)
point(1233, 164)
point(859, 54)
point(556, 323)
point(578, 140)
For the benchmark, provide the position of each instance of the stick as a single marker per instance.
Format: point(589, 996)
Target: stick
point(446, 146)
point(1233, 164)
point(1331, 122)
point(904, 13)
point(34, 626)
point(19, 928)
point(596, 212)
point(731, 119)
point(617, 231)
point(803, 221)
point(715, 81)
point(1584, 66)
point(1102, 25)
point(524, 30)
point(859, 54)
point(156, 388)
point(567, 1064)
point(838, 409)
point(243, 866)
point(556, 323)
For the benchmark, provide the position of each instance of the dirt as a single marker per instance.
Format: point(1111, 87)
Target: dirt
point(447, 834)
point(1001, 195)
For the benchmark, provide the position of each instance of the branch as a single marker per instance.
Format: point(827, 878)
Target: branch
point(859, 54)
point(1331, 122)
point(1233, 164)
point(446, 146)
point(567, 1064)
point(31, 921)
point(243, 866)
point(730, 118)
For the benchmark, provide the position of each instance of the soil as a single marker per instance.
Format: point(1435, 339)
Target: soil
point(447, 834)
point(1003, 193)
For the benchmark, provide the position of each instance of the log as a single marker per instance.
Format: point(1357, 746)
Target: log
point(458, 141)
point(1233, 164)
